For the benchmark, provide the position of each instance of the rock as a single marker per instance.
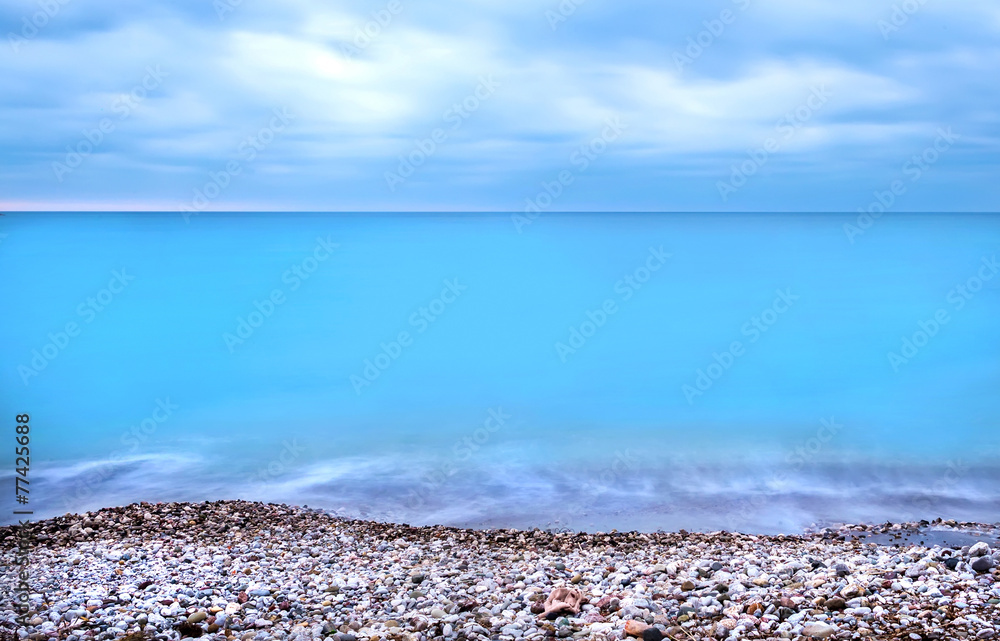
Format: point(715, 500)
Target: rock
point(851, 590)
point(635, 628)
point(818, 630)
point(189, 630)
point(204, 567)
point(652, 634)
point(979, 549)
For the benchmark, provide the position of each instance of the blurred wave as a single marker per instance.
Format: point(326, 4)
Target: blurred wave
point(626, 493)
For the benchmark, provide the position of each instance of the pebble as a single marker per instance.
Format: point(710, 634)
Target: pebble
point(260, 572)
point(635, 628)
point(818, 630)
point(652, 634)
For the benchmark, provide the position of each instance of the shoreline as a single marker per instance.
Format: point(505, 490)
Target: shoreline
point(244, 570)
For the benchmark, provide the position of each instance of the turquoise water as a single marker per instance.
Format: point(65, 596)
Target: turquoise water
point(584, 371)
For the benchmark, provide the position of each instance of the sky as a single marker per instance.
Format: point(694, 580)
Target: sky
point(500, 105)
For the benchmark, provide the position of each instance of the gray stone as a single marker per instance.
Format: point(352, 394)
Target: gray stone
point(818, 630)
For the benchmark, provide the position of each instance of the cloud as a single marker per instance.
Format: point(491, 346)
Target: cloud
point(357, 110)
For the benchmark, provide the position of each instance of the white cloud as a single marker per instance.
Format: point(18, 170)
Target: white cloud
point(225, 78)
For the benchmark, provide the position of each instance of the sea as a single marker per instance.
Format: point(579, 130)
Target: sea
point(751, 372)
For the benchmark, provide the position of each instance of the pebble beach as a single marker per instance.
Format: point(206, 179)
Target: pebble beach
point(244, 570)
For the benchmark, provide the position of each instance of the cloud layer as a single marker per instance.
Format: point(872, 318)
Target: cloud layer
point(111, 107)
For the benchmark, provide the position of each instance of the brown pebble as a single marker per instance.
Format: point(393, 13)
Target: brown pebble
point(635, 628)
